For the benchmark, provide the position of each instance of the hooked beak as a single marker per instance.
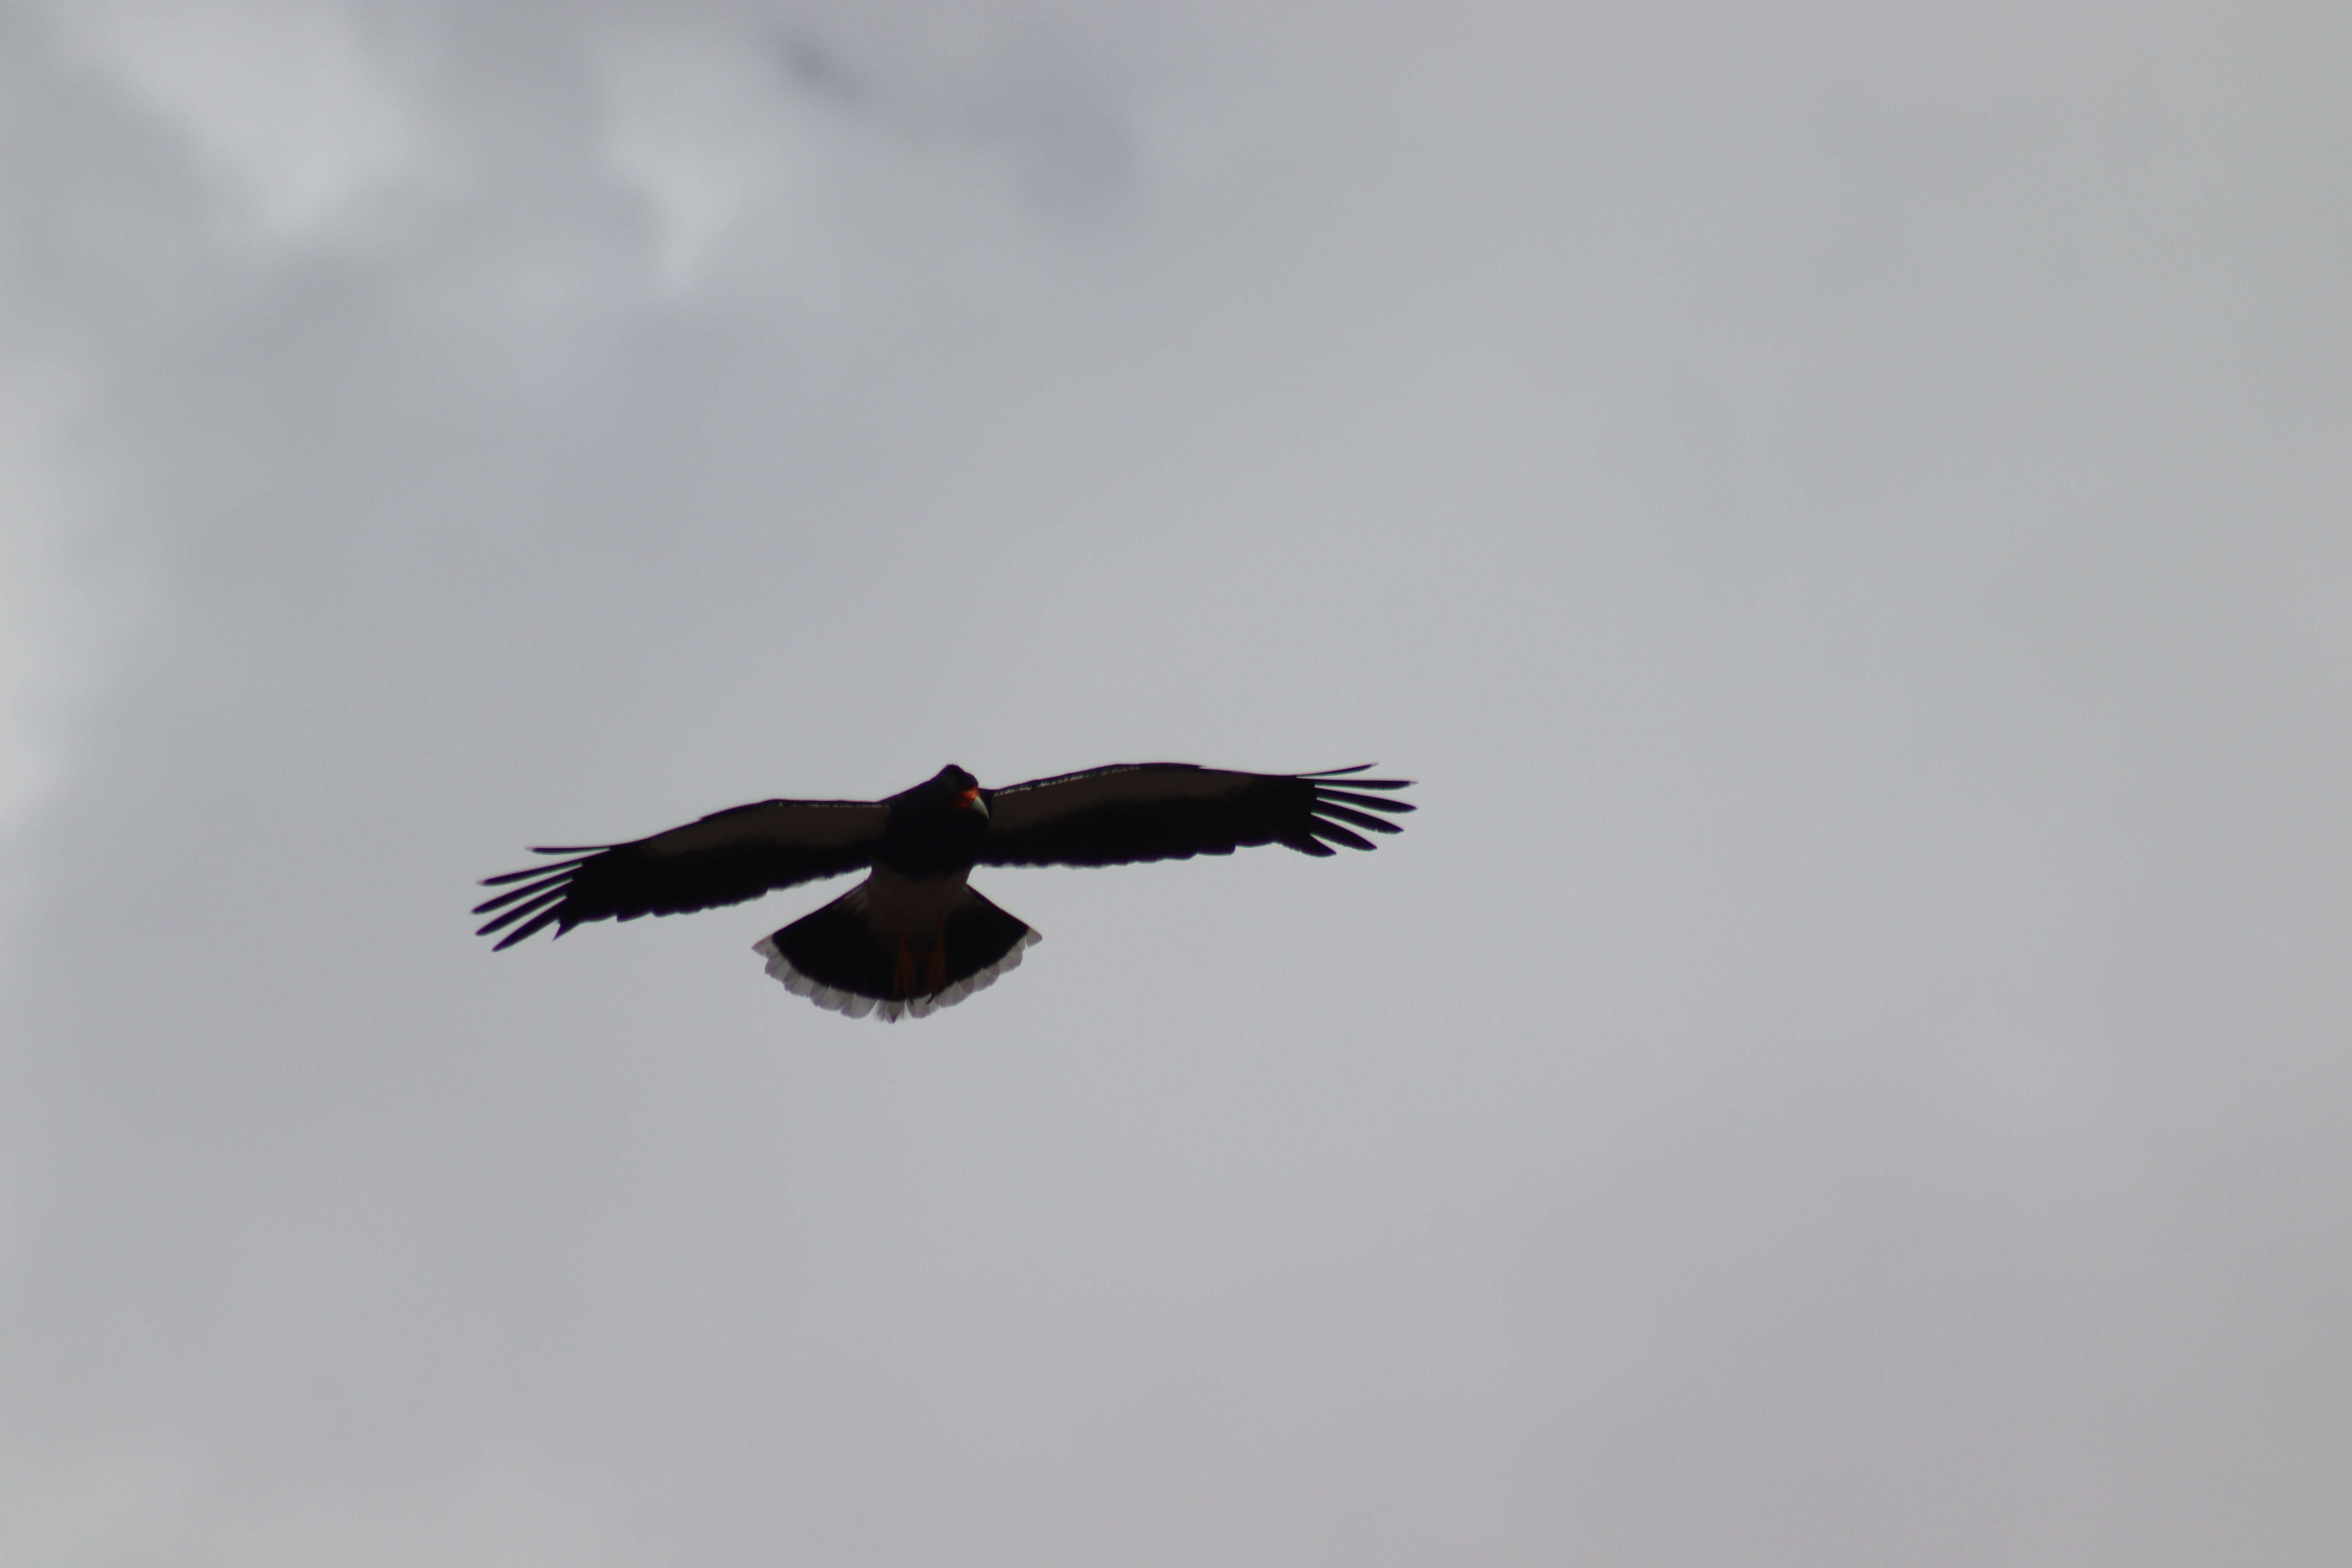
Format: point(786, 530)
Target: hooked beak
point(970, 801)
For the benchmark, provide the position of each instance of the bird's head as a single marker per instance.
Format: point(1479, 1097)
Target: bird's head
point(961, 790)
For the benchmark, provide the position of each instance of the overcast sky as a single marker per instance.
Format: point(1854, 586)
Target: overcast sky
point(1843, 510)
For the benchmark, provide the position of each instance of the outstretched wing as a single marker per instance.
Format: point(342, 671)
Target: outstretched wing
point(1173, 811)
point(724, 858)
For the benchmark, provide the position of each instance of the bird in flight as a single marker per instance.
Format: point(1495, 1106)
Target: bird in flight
point(915, 936)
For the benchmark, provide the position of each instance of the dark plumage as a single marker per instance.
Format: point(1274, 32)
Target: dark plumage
point(914, 937)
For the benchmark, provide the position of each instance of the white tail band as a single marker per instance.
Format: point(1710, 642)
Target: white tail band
point(851, 1004)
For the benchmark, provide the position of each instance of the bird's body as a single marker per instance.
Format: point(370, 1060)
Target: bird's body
point(915, 936)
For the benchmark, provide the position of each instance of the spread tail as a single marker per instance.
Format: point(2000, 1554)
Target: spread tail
point(858, 955)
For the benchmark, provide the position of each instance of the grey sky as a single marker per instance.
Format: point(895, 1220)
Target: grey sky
point(1844, 512)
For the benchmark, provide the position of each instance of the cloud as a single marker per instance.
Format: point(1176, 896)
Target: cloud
point(291, 108)
point(1846, 1067)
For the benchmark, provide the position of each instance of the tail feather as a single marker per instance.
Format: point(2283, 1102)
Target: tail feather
point(844, 958)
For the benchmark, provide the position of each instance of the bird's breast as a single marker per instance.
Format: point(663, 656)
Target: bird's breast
point(926, 845)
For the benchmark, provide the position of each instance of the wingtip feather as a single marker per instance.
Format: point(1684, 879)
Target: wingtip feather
point(545, 918)
point(1360, 818)
point(1338, 835)
point(503, 878)
point(507, 917)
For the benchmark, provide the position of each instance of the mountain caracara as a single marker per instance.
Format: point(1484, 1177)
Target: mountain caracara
point(913, 936)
